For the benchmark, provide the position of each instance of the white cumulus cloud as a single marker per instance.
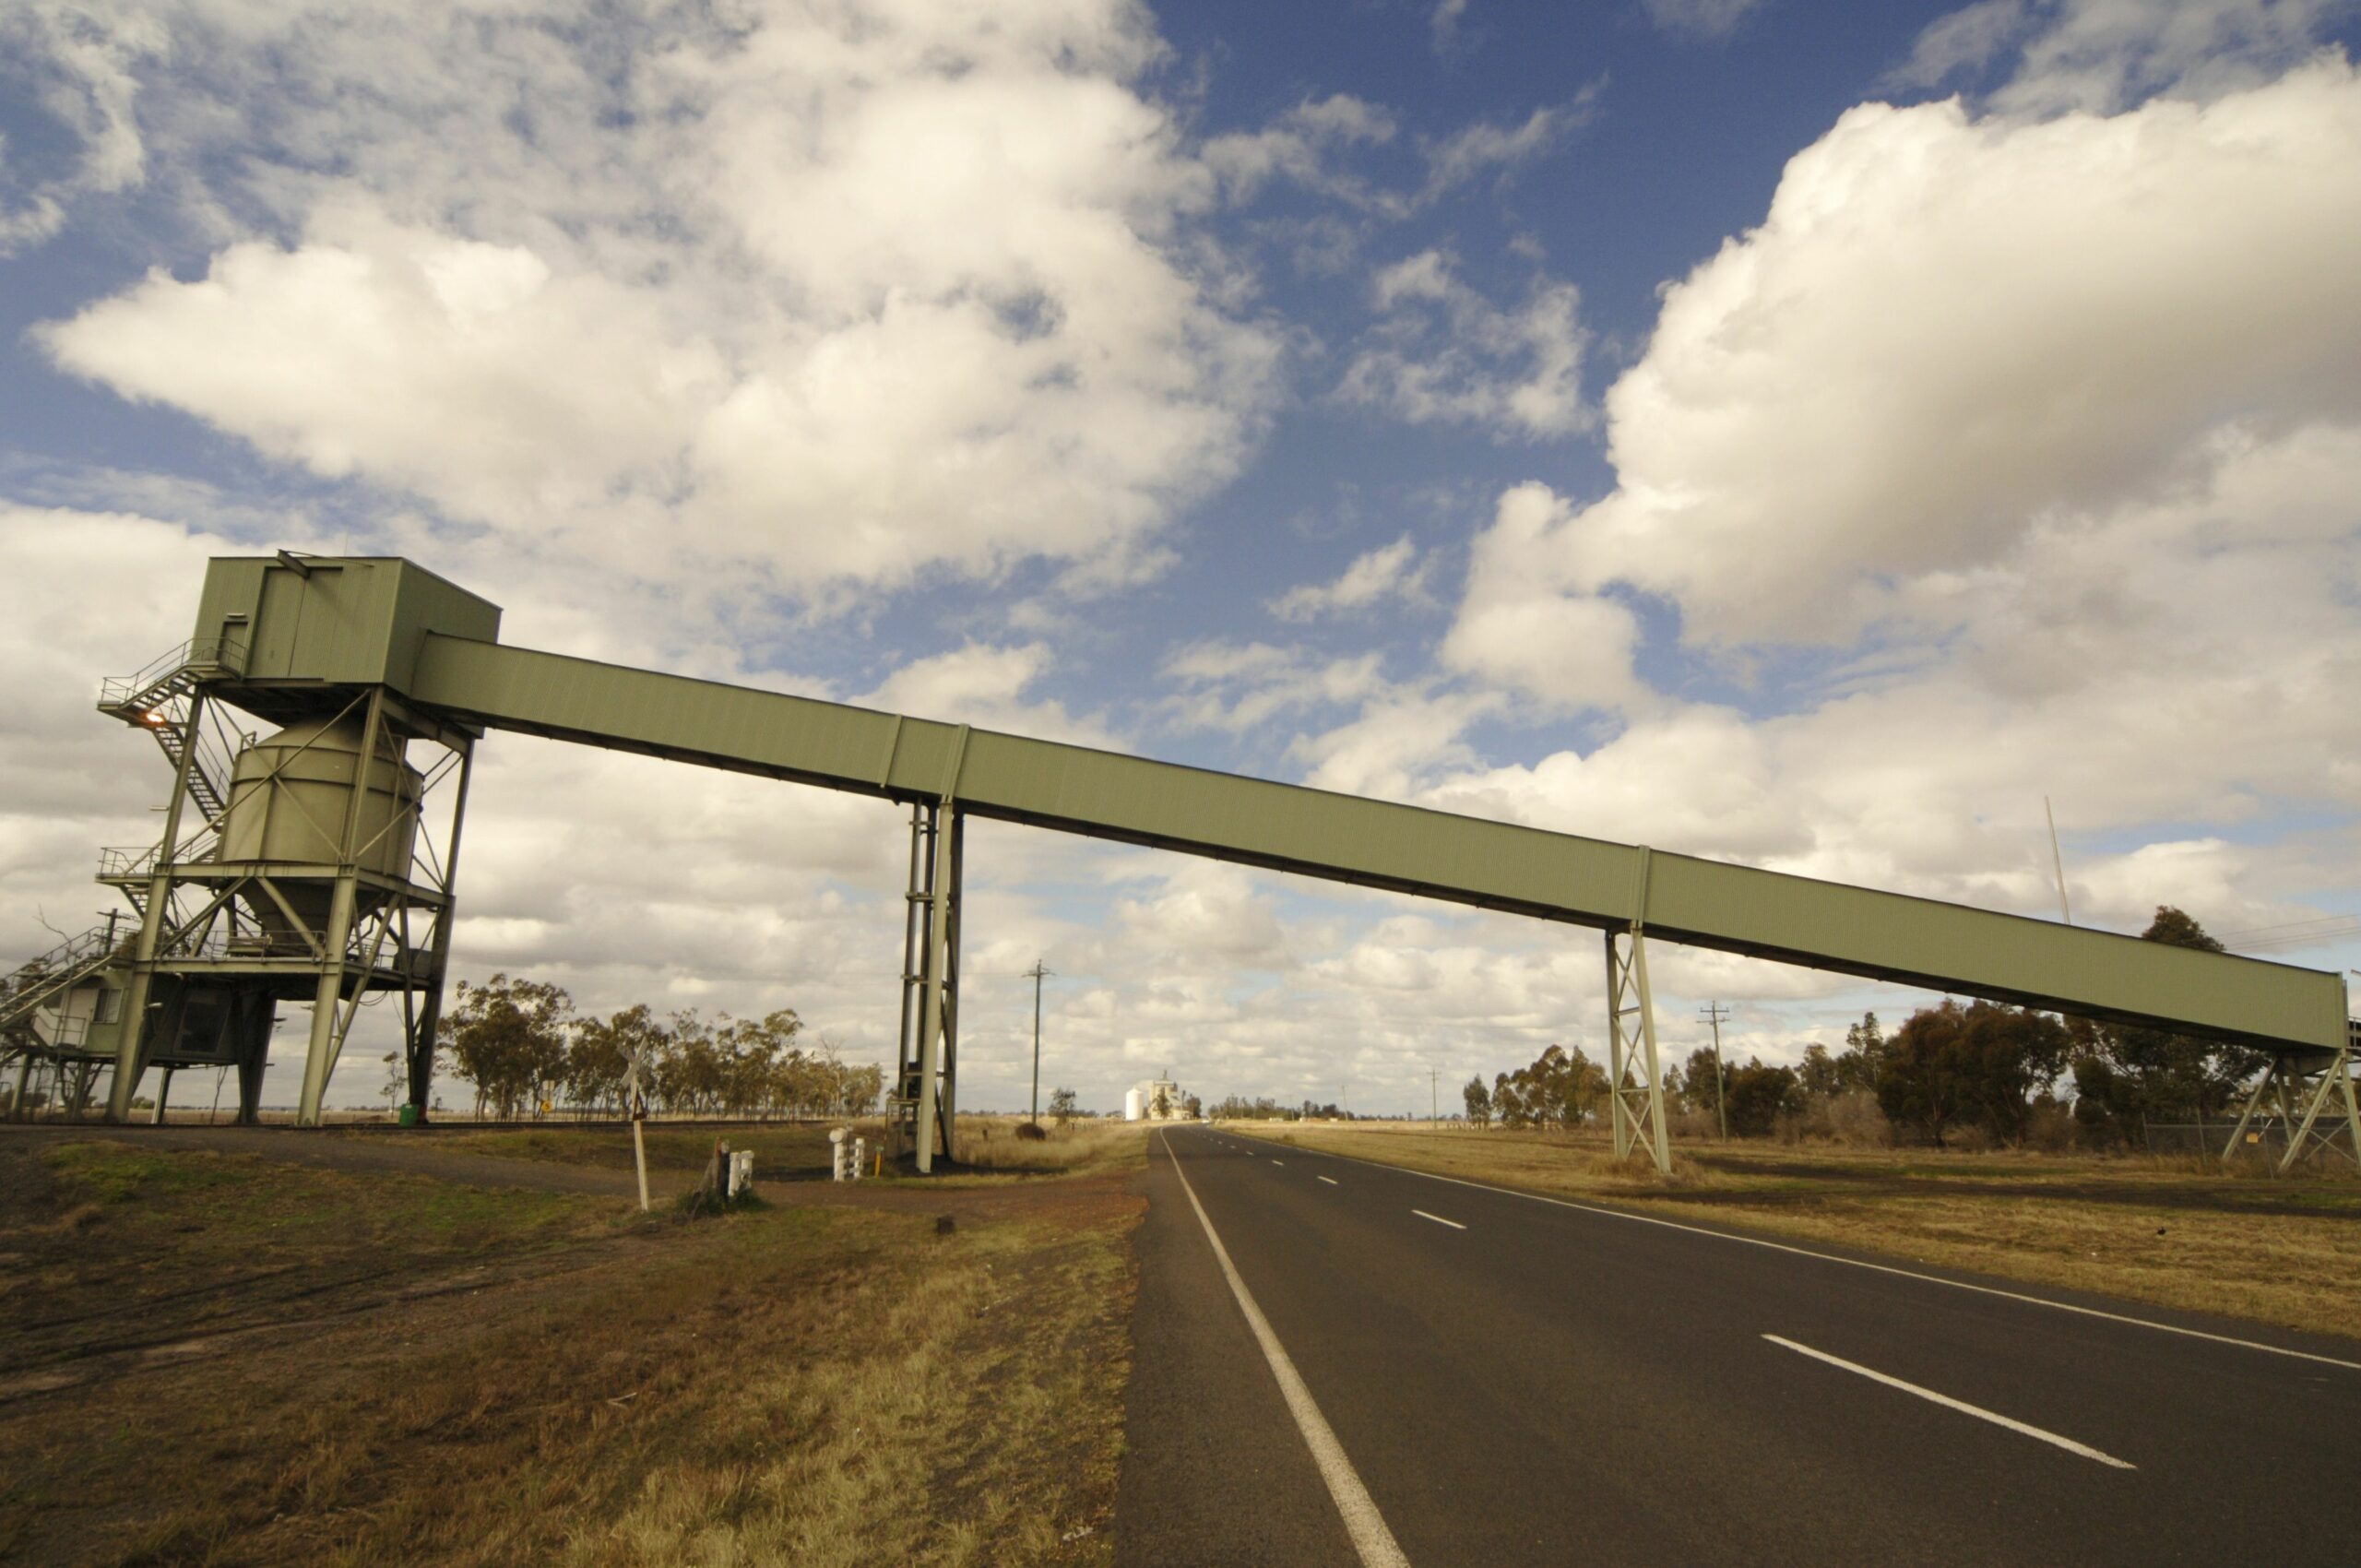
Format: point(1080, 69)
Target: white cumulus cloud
point(1948, 331)
point(1700, 18)
point(1389, 572)
point(822, 297)
point(1442, 353)
point(2104, 55)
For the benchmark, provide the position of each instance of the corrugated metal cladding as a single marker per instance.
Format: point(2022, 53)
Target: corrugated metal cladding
point(434, 643)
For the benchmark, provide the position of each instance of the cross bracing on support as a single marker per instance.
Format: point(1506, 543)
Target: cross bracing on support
point(2318, 1106)
point(1633, 1069)
point(315, 635)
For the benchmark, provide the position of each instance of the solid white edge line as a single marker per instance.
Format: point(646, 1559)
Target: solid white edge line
point(1861, 1263)
point(1330, 1179)
point(1371, 1539)
point(1439, 1219)
point(1961, 1405)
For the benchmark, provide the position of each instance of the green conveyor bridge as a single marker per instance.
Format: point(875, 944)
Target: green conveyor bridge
point(386, 645)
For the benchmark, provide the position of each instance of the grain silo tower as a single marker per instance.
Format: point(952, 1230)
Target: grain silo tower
point(312, 864)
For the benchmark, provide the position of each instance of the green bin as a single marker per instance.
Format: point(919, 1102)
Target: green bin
point(409, 1116)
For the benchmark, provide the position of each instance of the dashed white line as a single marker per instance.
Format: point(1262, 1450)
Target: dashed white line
point(1863, 1263)
point(1371, 1539)
point(1439, 1219)
point(1961, 1405)
point(1330, 1179)
point(1278, 1162)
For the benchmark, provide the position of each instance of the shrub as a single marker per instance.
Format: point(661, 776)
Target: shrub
point(1855, 1118)
point(2051, 1129)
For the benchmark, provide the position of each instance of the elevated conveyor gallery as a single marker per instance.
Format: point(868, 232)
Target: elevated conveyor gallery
point(320, 637)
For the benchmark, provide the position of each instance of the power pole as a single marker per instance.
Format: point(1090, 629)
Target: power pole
point(1039, 973)
point(1434, 1102)
point(1714, 1013)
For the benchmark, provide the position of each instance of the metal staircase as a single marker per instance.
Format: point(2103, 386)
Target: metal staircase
point(162, 700)
point(158, 700)
point(42, 980)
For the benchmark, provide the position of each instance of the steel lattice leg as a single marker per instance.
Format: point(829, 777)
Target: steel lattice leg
point(1633, 1070)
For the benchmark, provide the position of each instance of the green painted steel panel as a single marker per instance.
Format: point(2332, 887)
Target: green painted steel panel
point(336, 620)
point(357, 621)
point(1380, 843)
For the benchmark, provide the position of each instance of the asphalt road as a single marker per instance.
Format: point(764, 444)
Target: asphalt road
point(1510, 1381)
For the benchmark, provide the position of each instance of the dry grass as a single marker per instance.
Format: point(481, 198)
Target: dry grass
point(2177, 1233)
point(987, 1145)
point(990, 1143)
point(539, 1378)
point(779, 1148)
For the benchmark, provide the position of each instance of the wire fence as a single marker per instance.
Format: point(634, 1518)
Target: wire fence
point(2262, 1137)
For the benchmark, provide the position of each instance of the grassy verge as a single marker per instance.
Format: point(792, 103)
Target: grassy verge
point(992, 1144)
point(779, 1148)
point(2174, 1233)
point(317, 1367)
point(986, 1147)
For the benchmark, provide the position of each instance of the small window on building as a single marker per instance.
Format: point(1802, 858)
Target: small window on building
point(109, 1006)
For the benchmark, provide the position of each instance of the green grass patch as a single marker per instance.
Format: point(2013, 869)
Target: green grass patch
point(115, 1173)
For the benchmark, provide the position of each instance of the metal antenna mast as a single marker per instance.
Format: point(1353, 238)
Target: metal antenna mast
point(1039, 973)
point(2057, 863)
point(1714, 1013)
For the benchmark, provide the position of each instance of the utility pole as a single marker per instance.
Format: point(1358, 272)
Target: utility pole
point(1434, 1102)
point(1714, 1013)
point(1039, 973)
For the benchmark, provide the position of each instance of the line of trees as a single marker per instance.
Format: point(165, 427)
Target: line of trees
point(1560, 1088)
point(2126, 1076)
point(521, 1044)
point(1981, 1068)
point(1237, 1108)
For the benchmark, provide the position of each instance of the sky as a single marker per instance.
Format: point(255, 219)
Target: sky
point(1808, 434)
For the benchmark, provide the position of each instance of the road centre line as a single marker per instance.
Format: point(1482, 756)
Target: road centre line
point(1863, 1263)
point(1371, 1539)
point(1439, 1219)
point(1963, 1407)
point(1330, 1179)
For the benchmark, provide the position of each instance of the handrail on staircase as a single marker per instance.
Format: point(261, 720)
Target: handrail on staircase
point(226, 654)
point(136, 859)
point(36, 980)
point(69, 951)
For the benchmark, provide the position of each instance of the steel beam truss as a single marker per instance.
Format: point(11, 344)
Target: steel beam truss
point(2317, 1103)
point(1637, 1085)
